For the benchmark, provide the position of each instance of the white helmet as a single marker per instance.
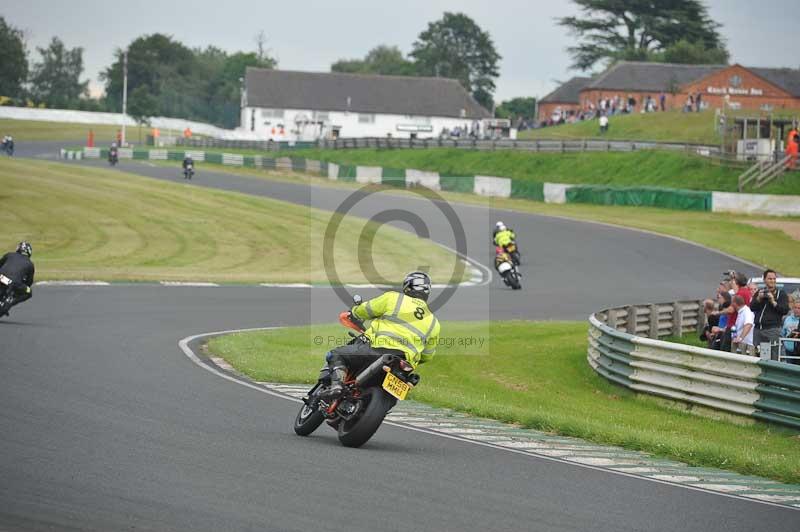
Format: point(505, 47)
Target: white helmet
point(500, 226)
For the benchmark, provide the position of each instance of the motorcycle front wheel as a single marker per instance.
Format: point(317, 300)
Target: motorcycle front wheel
point(307, 421)
point(356, 432)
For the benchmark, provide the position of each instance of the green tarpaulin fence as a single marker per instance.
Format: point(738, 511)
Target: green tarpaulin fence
point(532, 190)
point(452, 183)
point(640, 197)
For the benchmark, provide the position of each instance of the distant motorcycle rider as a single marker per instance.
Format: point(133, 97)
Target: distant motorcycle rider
point(401, 323)
point(18, 267)
point(8, 145)
point(187, 163)
point(113, 153)
point(502, 235)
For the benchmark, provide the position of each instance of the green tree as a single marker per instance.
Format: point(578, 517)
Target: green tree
point(199, 84)
point(635, 29)
point(142, 106)
point(56, 79)
point(517, 108)
point(383, 59)
point(159, 62)
point(696, 53)
point(456, 47)
point(13, 60)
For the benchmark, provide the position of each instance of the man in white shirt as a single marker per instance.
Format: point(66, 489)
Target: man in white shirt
point(744, 326)
point(603, 123)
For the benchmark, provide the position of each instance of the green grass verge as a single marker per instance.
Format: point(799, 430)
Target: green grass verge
point(32, 130)
point(104, 134)
point(656, 168)
point(730, 233)
point(536, 374)
point(92, 223)
point(672, 126)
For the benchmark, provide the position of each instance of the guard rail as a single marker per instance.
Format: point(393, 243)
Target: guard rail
point(542, 145)
point(762, 389)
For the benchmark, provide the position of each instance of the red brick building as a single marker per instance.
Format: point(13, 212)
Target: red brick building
point(735, 85)
point(564, 100)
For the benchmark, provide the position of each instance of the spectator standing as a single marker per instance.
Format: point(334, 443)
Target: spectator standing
point(698, 101)
point(662, 100)
point(743, 341)
point(603, 124)
point(792, 150)
point(770, 305)
point(740, 285)
point(721, 332)
point(791, 329)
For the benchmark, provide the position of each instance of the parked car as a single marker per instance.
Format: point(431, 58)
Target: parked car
point(789, 285)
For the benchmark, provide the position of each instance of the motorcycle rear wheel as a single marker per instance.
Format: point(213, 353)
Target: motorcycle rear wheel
point(307, 421)
point(357, 432)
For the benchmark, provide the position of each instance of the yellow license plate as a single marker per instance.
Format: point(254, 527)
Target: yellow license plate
point(395, 386)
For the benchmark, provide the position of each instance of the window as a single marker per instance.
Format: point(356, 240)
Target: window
point(366, 118)
point(322, 116)
point(272, 113)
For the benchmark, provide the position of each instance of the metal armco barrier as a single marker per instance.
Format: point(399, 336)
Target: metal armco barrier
point(744, 385)
point(544, 146)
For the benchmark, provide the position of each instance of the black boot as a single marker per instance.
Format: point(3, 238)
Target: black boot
point(335, 389)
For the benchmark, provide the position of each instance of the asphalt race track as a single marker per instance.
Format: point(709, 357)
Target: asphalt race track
point(106, 425)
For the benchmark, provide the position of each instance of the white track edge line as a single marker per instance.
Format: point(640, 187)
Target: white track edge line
point(184, 345)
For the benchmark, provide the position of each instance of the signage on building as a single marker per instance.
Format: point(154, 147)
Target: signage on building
point(736, 91)
point(415, 128)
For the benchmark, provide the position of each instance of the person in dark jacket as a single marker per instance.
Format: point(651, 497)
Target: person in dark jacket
point(18, 268)
point(770, 305)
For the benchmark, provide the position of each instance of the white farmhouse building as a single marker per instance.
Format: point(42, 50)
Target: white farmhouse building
point(290, 105)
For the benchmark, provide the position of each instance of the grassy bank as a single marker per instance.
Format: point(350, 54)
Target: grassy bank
point(92, 223)
point(672, 126)
point(536, 374)
point(32, 130)
point(655, 168)
point(730, 233)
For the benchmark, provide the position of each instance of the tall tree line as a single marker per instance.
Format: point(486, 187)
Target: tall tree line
point(165, 77)
point(452, 47)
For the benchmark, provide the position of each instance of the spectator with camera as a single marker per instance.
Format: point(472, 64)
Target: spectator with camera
point(791, 329)
point(770, 304)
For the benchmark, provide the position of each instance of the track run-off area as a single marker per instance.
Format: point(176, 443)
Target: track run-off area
point(108, 425)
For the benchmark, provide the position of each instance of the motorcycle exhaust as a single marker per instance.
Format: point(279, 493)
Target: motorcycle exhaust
point(372, 369)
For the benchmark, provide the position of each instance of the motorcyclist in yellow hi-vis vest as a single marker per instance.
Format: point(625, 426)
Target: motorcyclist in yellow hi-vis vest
point(503, 236)
point(401, 323)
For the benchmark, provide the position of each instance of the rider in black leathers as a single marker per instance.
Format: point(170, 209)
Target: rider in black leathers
point(187, 160)
point(18, 267)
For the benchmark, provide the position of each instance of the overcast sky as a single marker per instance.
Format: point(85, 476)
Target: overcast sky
point(312, 34)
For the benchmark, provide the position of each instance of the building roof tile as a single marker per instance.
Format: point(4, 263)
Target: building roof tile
point(360, 93)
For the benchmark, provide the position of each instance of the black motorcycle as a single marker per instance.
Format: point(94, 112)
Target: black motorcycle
point(188, 171)
point(8, 147)
point(113, 156)
point(6, 295)
point(366, 399)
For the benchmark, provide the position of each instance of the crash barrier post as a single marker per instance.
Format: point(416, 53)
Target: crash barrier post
point(496, 186)
point(624, 348)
